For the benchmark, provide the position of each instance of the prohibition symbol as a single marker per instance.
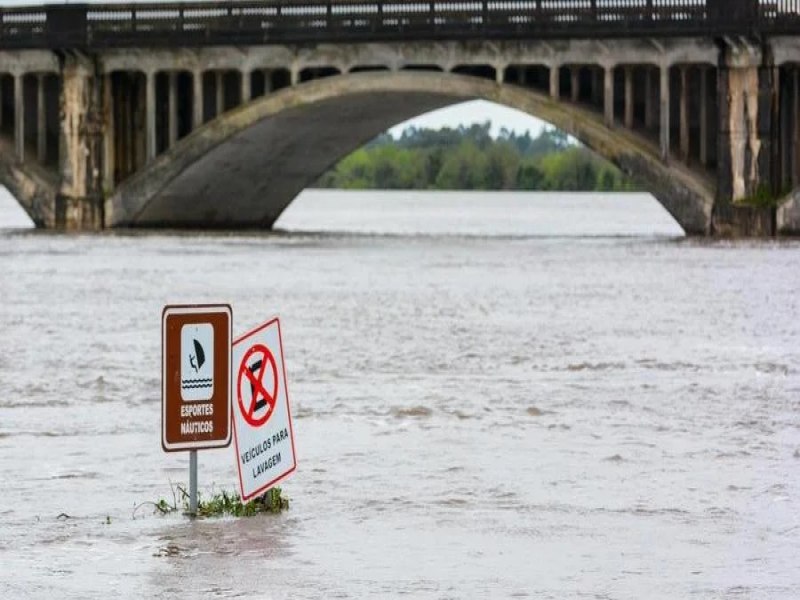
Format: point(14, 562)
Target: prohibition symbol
point(257, 361)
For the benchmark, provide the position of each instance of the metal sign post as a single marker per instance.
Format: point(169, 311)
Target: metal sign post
point(195, 380)
point(193, 483)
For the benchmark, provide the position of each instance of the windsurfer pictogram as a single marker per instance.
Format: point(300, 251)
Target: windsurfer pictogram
point(197, 362)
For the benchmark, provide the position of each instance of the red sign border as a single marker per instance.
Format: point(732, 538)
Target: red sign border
point(283, 476)
point(189, 309)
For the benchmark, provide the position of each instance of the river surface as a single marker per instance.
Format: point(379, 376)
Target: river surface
point(495, 396)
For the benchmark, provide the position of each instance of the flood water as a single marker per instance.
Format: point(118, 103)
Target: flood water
point(542, 396)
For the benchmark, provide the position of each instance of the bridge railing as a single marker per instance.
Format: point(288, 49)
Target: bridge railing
point(275, 21)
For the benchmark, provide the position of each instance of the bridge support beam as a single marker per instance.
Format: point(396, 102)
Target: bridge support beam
point(649, 100)
point(664, 109)
point(246, 92)
point(684, 114)
point(197, 99)
point(19, 118)
point(796, 126)
point(629, 97)
point(219, 81)
point(150, 112)
point(41, 121)
point(746, 92)
point(608, 96)
point(79, 203)
point(703, 116)
point(555, 81)
point(575, 83)
point(172, 107)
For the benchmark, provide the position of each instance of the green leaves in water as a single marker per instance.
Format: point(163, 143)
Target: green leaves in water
point(231, 504)
point(222, 503)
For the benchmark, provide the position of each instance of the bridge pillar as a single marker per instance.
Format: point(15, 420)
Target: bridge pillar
point(608, 101)
point(597, 86)
point(684, 113)
point(555, 81)
point(629, 97)
point(704, 116)
point(172, 108)
point(575, 83)
point(796, 126)
point(664, 109)
point(219, 81)
point(746, 98)
point(41, 121)
point(267, 81)
point(79, 202)
point(246, 87)
point(19, 117)
point(197, 99)
point(150, 115)
point(109, 141)
point(649, 100)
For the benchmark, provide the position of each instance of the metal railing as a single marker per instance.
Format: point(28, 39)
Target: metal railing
point(272, 21)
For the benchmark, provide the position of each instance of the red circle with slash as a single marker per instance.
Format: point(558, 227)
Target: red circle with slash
point(253, 369)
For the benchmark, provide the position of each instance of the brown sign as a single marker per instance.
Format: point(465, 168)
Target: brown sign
point(195, 379)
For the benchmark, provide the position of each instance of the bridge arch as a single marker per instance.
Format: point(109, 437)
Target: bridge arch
point(245, 167)
point(34, 187)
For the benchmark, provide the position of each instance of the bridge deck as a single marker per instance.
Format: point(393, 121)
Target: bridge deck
point(281, 21)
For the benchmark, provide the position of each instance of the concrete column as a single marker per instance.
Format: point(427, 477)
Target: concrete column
point(41, 121)
point(523, 76)
point(109, 127)
point(664, 112)
point(19, 118)
point(649, 104)
point(294, 76)
point(267, 81)
point(197, 99)
point(684, 114)
point(1, 99)
point(608, 93)
point(597, 86)
point(247, 94)
point(575, 83)
point(150, 115)
point(555, 82)
point(629, 97)
point(703, 116)
point(219, 80)
point(796, 136)
point(172, 103)
point(499, 73)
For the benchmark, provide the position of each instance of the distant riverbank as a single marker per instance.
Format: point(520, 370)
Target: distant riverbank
point(471, 159)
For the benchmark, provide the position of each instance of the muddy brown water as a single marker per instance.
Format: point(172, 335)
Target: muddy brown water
point(494, 396)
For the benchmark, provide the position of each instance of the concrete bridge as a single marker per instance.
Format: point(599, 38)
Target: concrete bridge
point(218, 115)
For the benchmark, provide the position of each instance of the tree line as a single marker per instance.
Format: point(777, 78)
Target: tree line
point(470, 158)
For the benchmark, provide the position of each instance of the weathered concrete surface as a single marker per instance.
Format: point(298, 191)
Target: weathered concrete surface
point(788, 215)
point(244, 168)
point(80, 200)
point(397, 55)
point(33, 187)
point(748, 135)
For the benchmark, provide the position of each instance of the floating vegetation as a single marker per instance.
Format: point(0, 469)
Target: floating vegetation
point(220, 504)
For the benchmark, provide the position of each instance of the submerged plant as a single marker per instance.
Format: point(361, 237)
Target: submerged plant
point(220, 504)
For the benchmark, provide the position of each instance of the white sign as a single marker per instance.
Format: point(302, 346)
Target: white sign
point(262, 423)
point(197, 361)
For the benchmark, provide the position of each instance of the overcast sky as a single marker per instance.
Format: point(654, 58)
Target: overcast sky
point(476, 111)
